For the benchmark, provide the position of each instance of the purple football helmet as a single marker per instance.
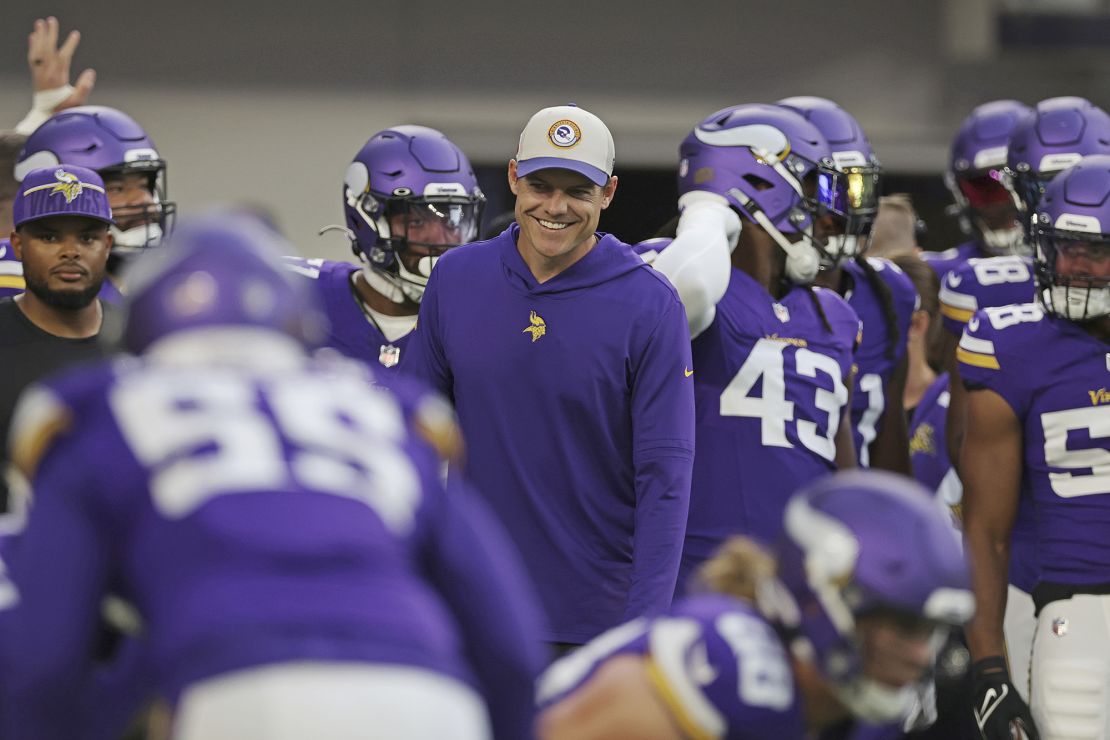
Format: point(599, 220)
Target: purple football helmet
point(1060, 132)
point(771, 165)
point(114, 145)
point(858, 543)
point(856, 200)
point(218, 272)
point(409, 195)
point(975, 176)
point(1073, 241)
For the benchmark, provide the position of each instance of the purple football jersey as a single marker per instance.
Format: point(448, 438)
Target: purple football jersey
point(982, 283)
point(11, 271)
point(769, 394)
point(349, 329)
point(875, 359)
point(576, 402)
point(948, 260)
point(1054, 375)
point(716, 663)
point(290, 514)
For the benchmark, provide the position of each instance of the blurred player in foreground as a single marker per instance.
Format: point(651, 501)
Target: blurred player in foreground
point(278, 522)
point(842, 621)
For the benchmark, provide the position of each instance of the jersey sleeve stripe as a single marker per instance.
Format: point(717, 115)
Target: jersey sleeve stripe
point(976, 359)
point(950, 297)
point(956, 314)
point(977, 345)
point(690, 727)
point(12, 281)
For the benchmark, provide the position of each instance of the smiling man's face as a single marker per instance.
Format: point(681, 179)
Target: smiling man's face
point(558, 212)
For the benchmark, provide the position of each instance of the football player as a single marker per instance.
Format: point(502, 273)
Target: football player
point(409, 195)
point(783, 646)
point(111, 143)
point(772, 356)
point(976, 162)
point(279, 523)
point(1038, 429)
point(882, 296)
point(1052, 137)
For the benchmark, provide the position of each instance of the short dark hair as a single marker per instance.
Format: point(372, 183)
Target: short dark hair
point(11, 144)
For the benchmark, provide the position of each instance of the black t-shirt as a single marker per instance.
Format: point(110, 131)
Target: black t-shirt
point(28, 354)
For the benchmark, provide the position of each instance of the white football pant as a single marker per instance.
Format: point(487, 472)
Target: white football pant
point(1071, 669)
point(331, 701)
point(1018, 625)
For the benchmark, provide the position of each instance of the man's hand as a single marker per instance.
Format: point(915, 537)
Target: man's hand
point(999, 710)
point(50, 64)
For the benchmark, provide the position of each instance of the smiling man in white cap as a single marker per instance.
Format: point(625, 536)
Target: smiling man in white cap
point(562, 177)
point(568, 360)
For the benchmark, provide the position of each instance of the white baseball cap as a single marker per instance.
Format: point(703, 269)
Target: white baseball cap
point(569, 138)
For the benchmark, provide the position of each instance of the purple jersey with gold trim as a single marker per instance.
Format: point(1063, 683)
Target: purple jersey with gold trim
point(11, 271)
point(294, 513)
point(715, 662)
point(1054, 375)
point(982, 283)
point(769, 393)
point(875, 360)
point(948, 260)
point(349, 330)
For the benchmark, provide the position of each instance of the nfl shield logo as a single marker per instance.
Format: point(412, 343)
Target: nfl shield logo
point(782, 312)
point(389, 355)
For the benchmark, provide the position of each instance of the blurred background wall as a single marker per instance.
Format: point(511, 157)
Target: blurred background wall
point(266, 103)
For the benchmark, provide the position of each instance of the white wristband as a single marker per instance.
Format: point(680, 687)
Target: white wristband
point(43, 104)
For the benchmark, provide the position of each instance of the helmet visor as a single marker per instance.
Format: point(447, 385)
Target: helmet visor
point(851, 193)
point(984, 191)
point(432, 225)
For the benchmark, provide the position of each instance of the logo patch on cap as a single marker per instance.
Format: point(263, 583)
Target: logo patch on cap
point(564, 133)
point(68, 185)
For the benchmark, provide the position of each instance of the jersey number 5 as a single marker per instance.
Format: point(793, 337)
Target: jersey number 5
point(1058, 425)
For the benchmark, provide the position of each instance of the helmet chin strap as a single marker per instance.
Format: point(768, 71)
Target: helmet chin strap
point(137, 237)
point(1005, 241)
point(874, 702)
point(802, 259)
point(387, 285)
point(1077, 304)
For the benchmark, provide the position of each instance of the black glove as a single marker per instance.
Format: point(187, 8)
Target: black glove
point(999, 710)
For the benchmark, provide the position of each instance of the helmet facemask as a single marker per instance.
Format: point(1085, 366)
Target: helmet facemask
point(1080, 290)
point(414, 231)
point(989, 210)
point(850, 195)
point(141, 225)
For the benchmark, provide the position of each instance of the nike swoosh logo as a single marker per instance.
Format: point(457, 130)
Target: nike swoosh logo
point(991, 700)
point(954, 280)
point(688, 372)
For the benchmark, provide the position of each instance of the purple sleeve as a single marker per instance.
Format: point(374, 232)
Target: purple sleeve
point(663, 458)
point(427, 361)
point(60, 568)
point(478, 573)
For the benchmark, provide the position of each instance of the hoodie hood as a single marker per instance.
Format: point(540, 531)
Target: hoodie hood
point(609, 259)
